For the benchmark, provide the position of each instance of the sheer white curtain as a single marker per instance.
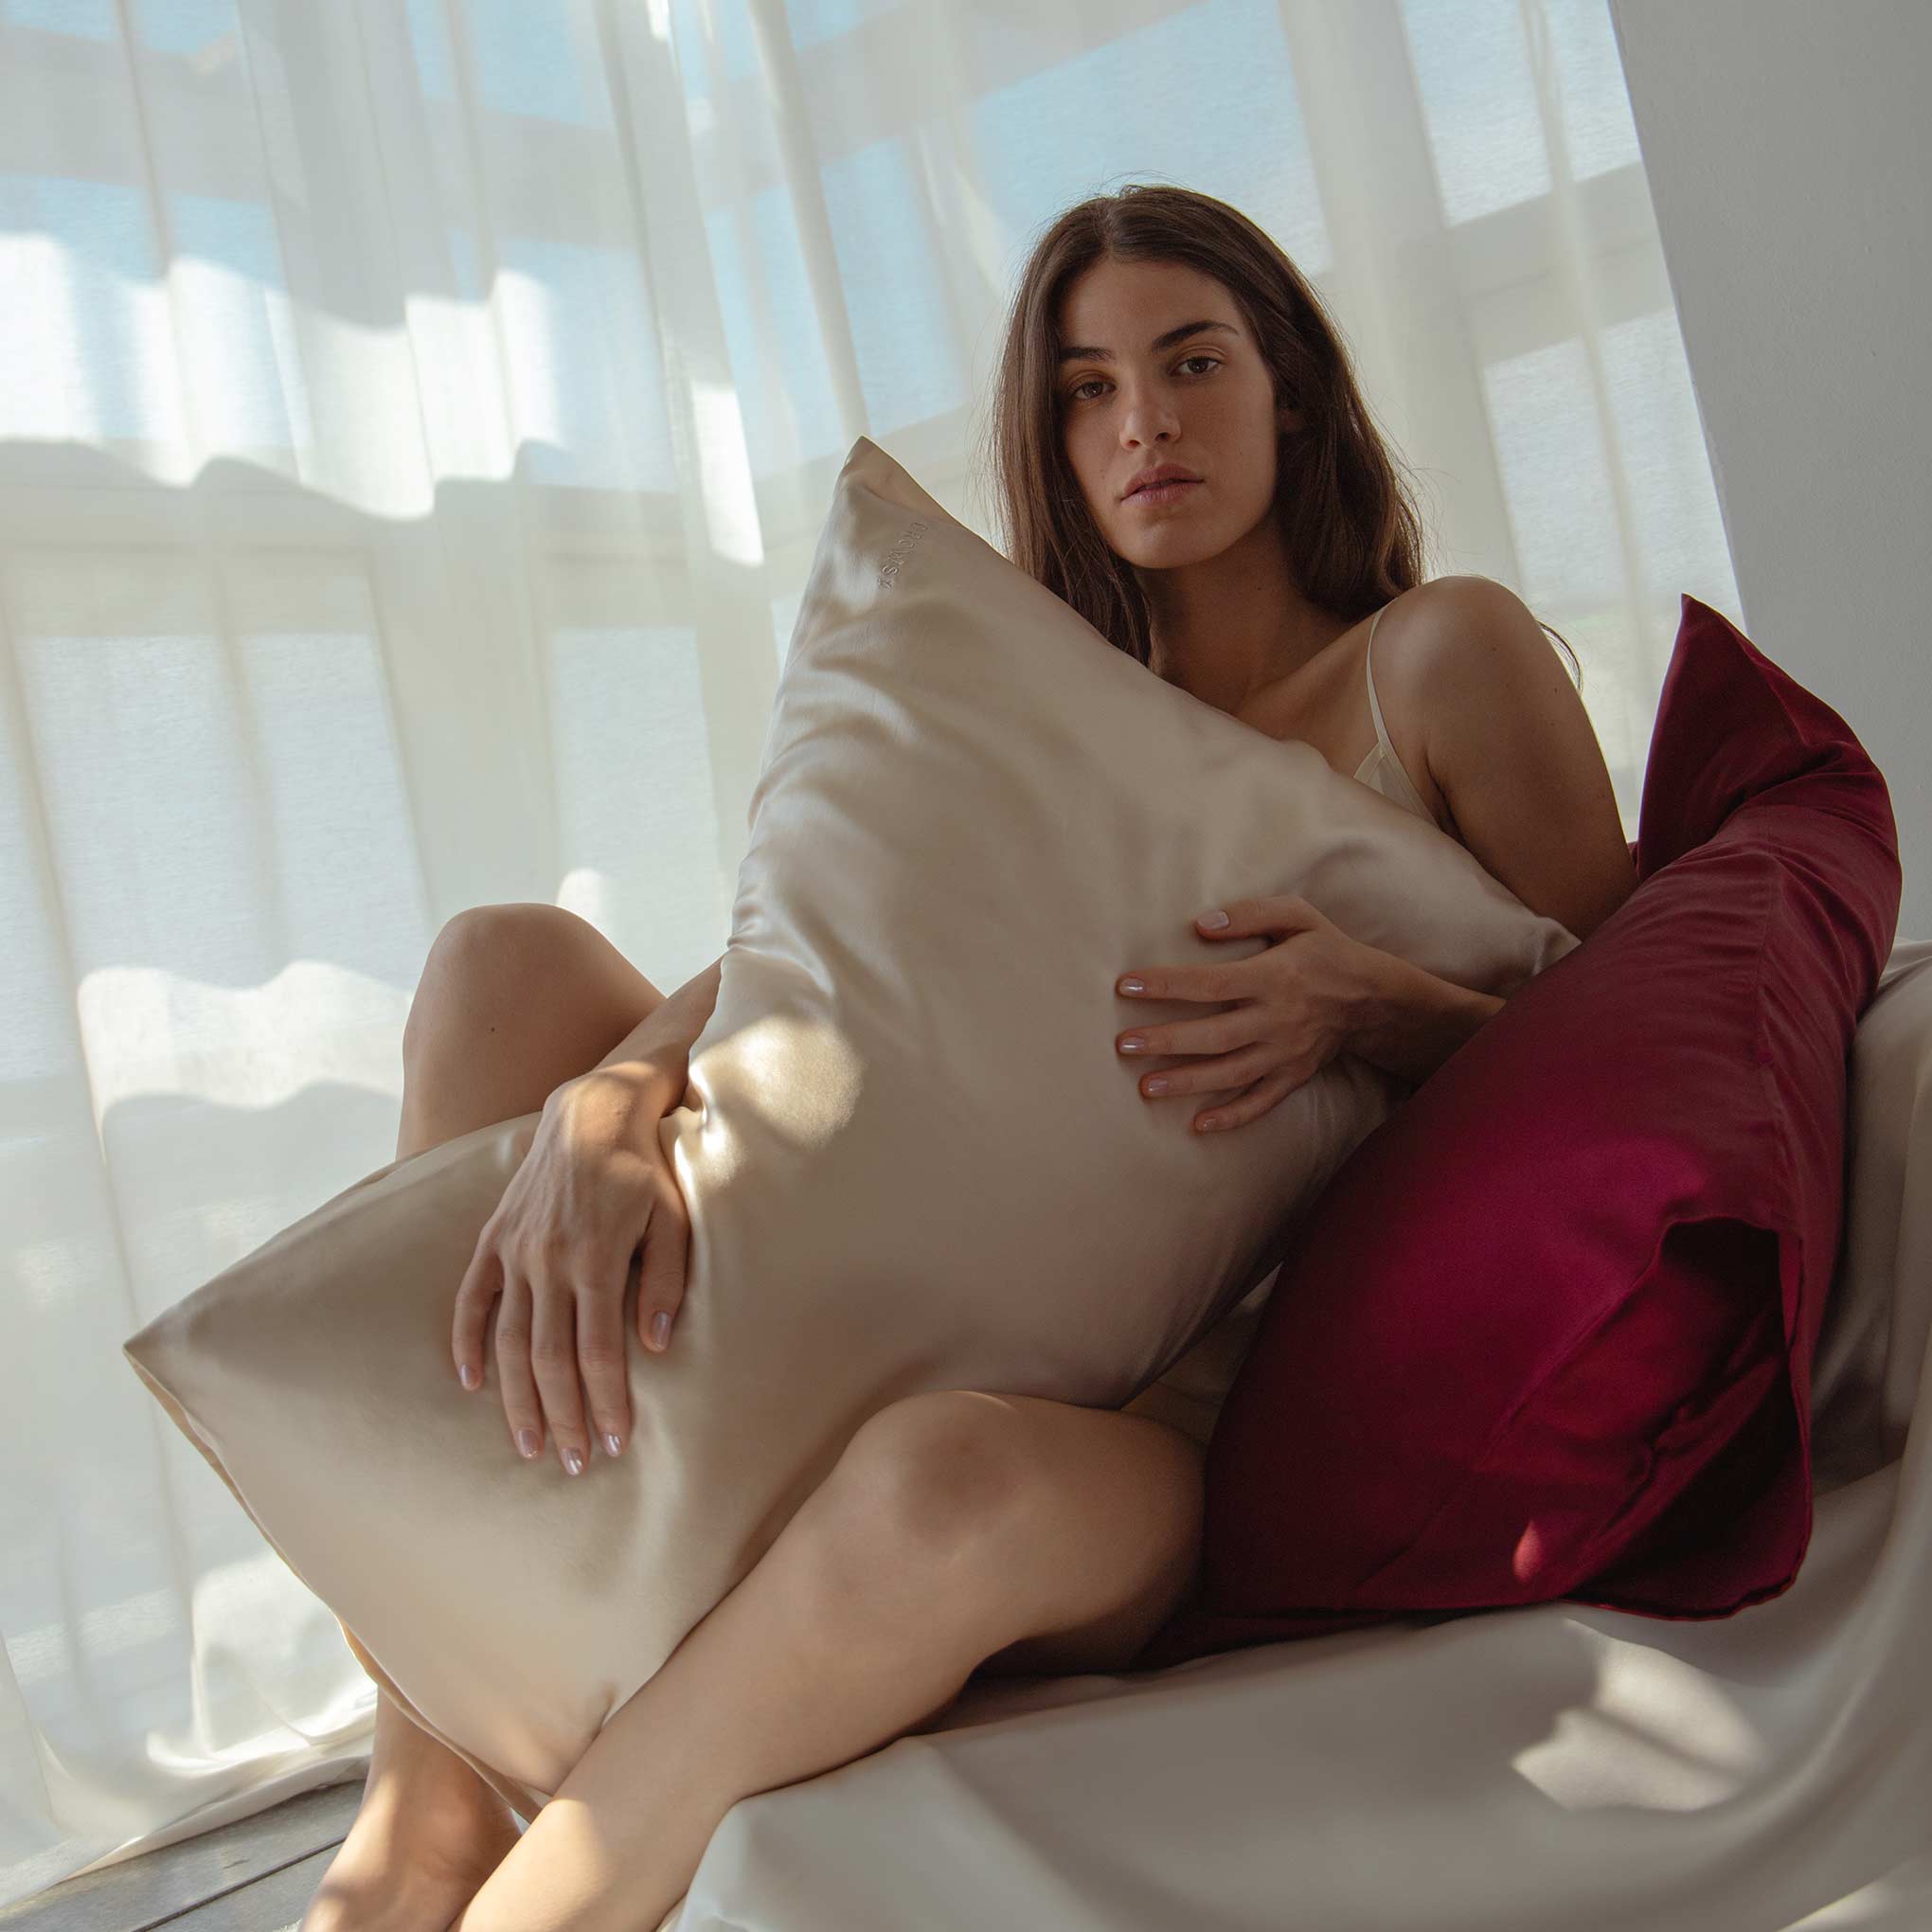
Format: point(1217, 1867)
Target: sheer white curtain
point(415, 421)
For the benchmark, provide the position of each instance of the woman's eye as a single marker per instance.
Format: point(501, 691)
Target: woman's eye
point(1073, 395)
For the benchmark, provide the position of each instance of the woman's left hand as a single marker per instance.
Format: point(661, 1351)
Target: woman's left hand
point(1301, 997)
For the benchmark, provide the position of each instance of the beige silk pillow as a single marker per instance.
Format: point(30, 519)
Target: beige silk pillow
point(917, 1161)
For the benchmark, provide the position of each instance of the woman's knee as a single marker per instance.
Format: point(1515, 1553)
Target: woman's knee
point(485, 962)
point(935, 1473)
point(524, 969)
point(1073, 1529)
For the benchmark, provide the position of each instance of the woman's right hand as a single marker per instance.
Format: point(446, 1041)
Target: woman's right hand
point(554, 1260)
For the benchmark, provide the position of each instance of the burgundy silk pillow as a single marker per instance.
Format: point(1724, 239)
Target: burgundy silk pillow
point(1548, 1333)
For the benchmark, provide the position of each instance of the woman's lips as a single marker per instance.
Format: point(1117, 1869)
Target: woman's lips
point(1164, 493)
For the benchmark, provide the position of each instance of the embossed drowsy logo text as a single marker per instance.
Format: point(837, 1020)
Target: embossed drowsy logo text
point(888, 571)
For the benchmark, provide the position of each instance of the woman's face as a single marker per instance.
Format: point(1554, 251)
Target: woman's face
point(1203, 401)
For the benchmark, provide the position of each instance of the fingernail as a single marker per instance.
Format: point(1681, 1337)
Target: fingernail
point(1214, 918)
point(660, 1327)
point(527, 1441)
point(468, 1375)
point(573, 1459)
point(1134, 986)
point(611, 1444)
point(1131, 1044)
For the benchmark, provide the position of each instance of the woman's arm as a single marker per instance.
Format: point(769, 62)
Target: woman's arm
point(1411, 1020)
point(1511, 747)
point(1514, 753)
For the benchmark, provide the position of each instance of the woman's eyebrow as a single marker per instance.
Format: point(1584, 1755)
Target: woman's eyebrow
point(1159, 341)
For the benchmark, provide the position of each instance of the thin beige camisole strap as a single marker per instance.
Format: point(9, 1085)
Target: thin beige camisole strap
point(1374, 704)
point(1389, 756)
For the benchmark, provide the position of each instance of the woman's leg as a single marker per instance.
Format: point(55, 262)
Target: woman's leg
point(958, 1529)
point(513, 1001)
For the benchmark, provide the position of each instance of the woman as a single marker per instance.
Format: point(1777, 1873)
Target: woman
point(964, 1531)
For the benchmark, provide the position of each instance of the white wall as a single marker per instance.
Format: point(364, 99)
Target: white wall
point(1787, 148)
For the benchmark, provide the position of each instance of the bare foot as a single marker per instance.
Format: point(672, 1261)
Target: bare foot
point(409, 1877)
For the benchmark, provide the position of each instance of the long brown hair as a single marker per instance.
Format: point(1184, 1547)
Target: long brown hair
point(1353, 538)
